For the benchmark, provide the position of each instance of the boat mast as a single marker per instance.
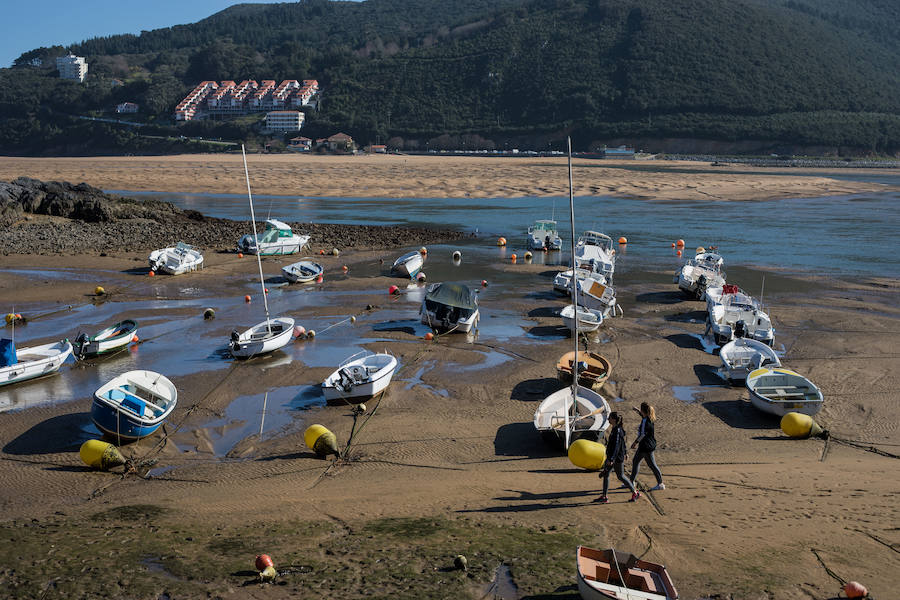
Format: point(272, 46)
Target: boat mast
point(574, 299)
point(262, 282)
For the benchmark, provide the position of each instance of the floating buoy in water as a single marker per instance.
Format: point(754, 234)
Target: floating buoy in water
point(420, 276)
point(799, 425)
point(135, 339)
point(501, 241)
point(311, 333)
point(209, 314)
point(247, 298)
point(99, 291)
point(151, 273)
point(267, 290)
point(623, 240)
point(673, 244)
point(263, 561)
point(423, 250)
point(352, 318)
point(345, 268)
point(101, 455)
point(513, 257)
point(429, 336)
point(678, 253)
point(457, 255)
point(335, 252)
point(854, 589)
point(299, 331)
point(587, 454)
point(240, 255)
point(528, 255)
point(680, 243)
point(393, 290)
point(319, 279)
point(320, 440)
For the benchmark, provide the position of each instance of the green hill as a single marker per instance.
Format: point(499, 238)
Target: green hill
point(754, 74)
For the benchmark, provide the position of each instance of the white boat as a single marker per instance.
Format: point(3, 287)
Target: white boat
point(543, 235)
point(360, 377)
point(106, 341)
point(450, 307)
point(594, 251)
point(277, 238)
point(302, 271)
point(588, 319)
point(737, 317)
point(177, 259)
point(611, 575)
point(721, 294)
point(274, 332)
point(699, 273)
point(779, 391)
point(133, 405)
point(27, 363)
point(574, 411)
point(562, 282)
point(742, 355)
point(595, 294)
point(408, 265)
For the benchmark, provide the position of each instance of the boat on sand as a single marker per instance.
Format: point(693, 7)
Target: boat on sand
point(360, 377)
point(593, 369)
point(35, 361)
point(742, 355)
point(779, 391)
point(302, 271)
point(611, 575)
point(133, 405)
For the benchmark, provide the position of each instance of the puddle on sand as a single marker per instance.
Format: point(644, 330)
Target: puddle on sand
point(492, 358)
point(689, 394)
point(416, 380)
point(706, 342)
point(154, 565)
point(502, 587)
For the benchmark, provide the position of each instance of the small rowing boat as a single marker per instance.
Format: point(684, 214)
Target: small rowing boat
point(133, 405)
point(109, 340)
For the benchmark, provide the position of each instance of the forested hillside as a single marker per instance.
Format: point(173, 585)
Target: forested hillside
point(492, 73)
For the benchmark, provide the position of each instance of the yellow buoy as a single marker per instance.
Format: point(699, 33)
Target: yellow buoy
point(99, 291)
point(528, 255)
point(587, 454)
point(100, 455)
point(10, 317)
point(335, 252)
point(320, 440)
point(798, 425)
point(700, 249)
point(501, 241)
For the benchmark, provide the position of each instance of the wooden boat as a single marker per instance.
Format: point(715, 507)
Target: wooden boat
point(742, 355)
point(112, 339)
point(542, 235)
point(701, 272)
point(360, 377)
point(276, 239)
point(779, 391)
point(608, 574)
point(588, 319)
point(408, 265)
point(593, 369)
point(449, 307)
point(28, 363)
point(177, 259)
point(302, 271)
point(133, 405)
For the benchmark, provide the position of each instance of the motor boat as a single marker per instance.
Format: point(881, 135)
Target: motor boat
point(589, 320)
point(735, 318)
point(177, 259)
point(594, 251)
point(699, 273)
point(360, 377)
point(450, 307)
point(276, 239)
point(107, 341)
point(542, 235)
point(742, 355)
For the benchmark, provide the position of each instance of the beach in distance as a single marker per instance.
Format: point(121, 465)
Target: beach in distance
point(447, 461)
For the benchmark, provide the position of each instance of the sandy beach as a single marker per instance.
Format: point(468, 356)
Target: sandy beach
point(448, 461)
point(402, 176)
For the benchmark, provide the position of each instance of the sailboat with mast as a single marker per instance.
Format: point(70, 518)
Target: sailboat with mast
point(274, 332)
point(574, 411)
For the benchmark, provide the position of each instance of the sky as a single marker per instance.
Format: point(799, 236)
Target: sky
point(64, 22)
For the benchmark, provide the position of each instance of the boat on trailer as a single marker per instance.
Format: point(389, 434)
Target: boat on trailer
point(276, 239)
point(133, 405)
point(177, 259)
point(542, 235)
point(109, 340)
point(360, 377)
point(302, 271)
point(609, 574)
point(742, 355)
point(28, 363)
point(408, 265)
point(779, 391)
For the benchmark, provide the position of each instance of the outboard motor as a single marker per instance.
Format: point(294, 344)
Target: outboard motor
point(740, 329)
point(702, 284)
point(80, 344)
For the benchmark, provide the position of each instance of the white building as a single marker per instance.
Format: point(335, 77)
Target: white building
point(72, 67)
point(284, 120)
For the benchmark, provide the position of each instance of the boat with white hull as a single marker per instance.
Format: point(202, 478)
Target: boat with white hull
point(302, 271)
point(542, 235)
point(107, 341)
point(612, 575)
point(594, 251)
point(360, 377)
point(736, 318)
point(22, 364)
point(741, 356)
point(276, 239)
point(450, 307)
point(701, 272)
point(408, 265)
point(589, 320)
point(779, 391)
point(133, 405)
point(177, 259)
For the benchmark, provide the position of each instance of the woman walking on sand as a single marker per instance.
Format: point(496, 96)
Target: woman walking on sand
point(646, 445)
point(615, 458)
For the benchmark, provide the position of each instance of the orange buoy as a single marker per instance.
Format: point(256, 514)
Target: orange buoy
point(322, 252)
point(854, 589)
point(393, 290)
point(135, 339)
point(263, 561)
point(345, 267)
point(151, 274)
point(501, 241)
point(680, 243)
point(423, 250)
point(429, 336)
point(513, 257)
point(673, 244)
point(623, 240)
point(678, 253)
point(247, 298)
point(240, 255)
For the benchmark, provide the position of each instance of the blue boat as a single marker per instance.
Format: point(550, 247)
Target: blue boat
point(133, 405)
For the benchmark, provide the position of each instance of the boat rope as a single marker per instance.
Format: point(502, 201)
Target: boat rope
point(831, 573)
point(342, 321)
point(744, 485)
point(864, 446)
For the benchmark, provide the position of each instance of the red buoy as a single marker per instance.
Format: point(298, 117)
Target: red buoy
point(484, 283)
point(247, 298)
point(240, 255)
point(151, 274)
point(135, 339)
point(263, 561)
point(393, 290)
point(429, 336)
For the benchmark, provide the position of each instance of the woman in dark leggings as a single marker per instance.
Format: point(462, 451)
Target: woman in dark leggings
point(615, 458)
point(646, 445)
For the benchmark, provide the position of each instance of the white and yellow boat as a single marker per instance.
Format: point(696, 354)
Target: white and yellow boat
point(779, 391)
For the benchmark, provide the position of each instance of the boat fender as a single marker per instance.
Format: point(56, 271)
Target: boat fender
point(101, 455)
point(457, 255)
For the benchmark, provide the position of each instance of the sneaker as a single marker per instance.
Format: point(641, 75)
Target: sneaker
point(602, 500)
point(658, 487)
point(635, 496)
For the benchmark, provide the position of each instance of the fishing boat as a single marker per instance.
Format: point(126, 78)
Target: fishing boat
point(735, 317)
point(593, 369)
point(542, 235)
point(450, 307)
point(699, 273)
point(589, 320)
point(594, 251)
point(276, 239)
point(742, 355)
point(35, 361)
point(112, 339)
point(360, 377)
point(274, 332)
point(608, 574)
point(133, 405)
point(575, 411)
point(177, 259)
point(302, 271)
point(779, 391)
point(408, 265)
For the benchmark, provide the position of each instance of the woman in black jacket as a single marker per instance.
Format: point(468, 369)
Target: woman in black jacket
point(646, 445)
point(615, 458)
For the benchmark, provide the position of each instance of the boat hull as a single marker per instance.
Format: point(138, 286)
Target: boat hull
point(780, 391)
point(105, 342)
point(176, 260)
point(600, 579)
point(591, 412)
point(408, 266)
point(588, 320)
point(133, 405)
point(379, 369)
point(741, 356)
point(302, 272)
point(47, 359)
point(259, 340)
